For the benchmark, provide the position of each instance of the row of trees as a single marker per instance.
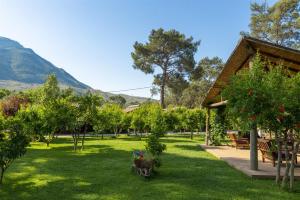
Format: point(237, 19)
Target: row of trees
point(42, 113)
point(174, 119)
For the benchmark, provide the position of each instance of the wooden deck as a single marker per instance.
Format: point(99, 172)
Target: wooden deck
point(240, 160)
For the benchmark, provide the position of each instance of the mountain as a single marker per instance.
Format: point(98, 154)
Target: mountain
point(21, 68)
point(24, 65)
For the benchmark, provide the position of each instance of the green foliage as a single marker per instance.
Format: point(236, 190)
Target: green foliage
point(13, 142)
point(126, 121)
point(219, 124)
point(217, 133)
point(139, 119)
point(87, 107)
point(156, 120)
point(257, 96)
point(154, 146)
point(269, 100)
point(192, 93)
point(105, 166)
point(109, 118)
point(118, 99)
point(4, 93)
point(247, 95)
point(170, 51)
point(279, 23)
point(171, 119)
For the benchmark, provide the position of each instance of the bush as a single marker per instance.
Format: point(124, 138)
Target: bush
point(154, 146)
point(217, 134)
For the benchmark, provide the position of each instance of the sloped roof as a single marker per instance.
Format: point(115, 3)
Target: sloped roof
point(245, 49)
point(131, 108)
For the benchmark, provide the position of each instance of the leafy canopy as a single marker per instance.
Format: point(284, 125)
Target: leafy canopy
point(279, 23)
point(169, 51)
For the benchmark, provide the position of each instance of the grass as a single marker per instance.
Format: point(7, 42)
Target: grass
point(102, 171)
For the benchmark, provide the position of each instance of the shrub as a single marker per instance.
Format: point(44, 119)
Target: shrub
point(155, 148)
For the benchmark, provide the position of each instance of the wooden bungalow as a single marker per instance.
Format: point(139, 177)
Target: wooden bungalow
point(240, 58)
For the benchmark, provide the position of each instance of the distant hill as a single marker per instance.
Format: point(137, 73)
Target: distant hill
point(24, 65)
point(21, 68)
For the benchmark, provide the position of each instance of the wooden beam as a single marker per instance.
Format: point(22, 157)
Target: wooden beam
point(292, 65)
point(221, 103)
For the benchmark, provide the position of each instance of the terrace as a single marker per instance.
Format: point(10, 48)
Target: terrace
point(240, 159)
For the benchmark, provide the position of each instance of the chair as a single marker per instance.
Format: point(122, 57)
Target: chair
point(238, 143)
point(267, 153)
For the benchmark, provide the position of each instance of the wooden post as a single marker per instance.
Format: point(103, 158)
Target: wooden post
point(207, 134)
point(253, 149)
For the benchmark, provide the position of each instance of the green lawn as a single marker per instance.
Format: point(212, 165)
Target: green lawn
point(102, 171)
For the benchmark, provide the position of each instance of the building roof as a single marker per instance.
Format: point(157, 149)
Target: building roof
point(131, 108)
point(245, 49)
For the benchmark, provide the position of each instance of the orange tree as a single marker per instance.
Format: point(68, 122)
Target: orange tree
point(247, 99)
point(282, 117)
point(270, 100)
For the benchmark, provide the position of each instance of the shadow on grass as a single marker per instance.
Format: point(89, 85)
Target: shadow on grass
point(132, 138)
point(106, 174)
point(189, 147)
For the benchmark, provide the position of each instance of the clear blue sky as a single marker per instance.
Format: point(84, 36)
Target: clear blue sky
point(92, 39)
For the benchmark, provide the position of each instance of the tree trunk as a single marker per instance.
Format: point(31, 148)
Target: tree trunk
point(162, 88)
point(253, 148)
point(192, 135)
point(74, 141)
point(294, 157)
point(287, 161)
point(207, 134)
point(1, 175)
point(115, 130)
point(77, 135)
point(279, 160)
point(83, 138)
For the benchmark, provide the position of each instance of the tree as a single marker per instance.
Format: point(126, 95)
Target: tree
point(31, 120)
point(202, 79)
point(49, 101)
point(194, 120)
point(87, 109)
point(246, 94)
point(4, 93)
point(139, 119)
point(118, 99)
point(50, 91)
point(158, 128)
point(126, 122)
point(171, 119)
point(66, 119)
point(111, 118)
point(156, 119)
point(269, 100)
point(11, 105)
point(279, 23)
point(181, 118)
point(13, 142)
point(175, 90)
point(171, 52)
